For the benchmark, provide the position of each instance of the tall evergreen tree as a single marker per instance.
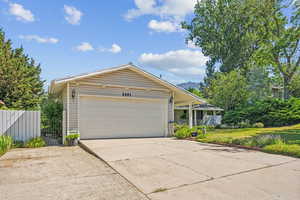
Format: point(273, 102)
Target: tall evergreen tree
point(21, 86)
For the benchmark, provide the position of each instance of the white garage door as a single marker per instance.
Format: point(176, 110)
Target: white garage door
point(122, 118)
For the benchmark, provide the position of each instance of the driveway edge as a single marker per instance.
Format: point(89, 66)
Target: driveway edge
point(88, 150)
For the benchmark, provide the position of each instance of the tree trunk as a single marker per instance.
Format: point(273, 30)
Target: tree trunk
point(286, 94)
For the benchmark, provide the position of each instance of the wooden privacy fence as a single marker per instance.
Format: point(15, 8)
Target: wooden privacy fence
point(20, 125)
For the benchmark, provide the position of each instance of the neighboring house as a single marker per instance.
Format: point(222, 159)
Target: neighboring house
point(203, 114)
point(120, 102)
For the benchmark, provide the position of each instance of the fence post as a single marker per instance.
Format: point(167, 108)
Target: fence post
point(63, 126)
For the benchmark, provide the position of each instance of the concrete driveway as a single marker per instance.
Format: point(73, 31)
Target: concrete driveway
point(165, 168)
point(60, 173)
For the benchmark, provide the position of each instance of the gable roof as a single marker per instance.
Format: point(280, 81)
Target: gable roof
point(61, 81)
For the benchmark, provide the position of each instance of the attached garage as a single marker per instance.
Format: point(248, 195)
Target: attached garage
point(122, 118)
point(120, 102)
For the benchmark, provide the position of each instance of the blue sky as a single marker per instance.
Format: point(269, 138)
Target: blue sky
point(69, 37)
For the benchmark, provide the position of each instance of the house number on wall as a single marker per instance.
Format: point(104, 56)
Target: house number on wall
point(126, 94)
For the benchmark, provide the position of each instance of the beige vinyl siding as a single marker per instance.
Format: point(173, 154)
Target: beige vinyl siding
point(109, 91)
point(70, 107)
point(123, 77)
point(73, 106)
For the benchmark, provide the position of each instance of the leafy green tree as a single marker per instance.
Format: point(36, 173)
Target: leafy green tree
point(229, 90)
point(227, 31)
point(195, 92)
point(281, 49)
point(20, 84)
point(52, 113)
point(234, 33)
point(259, 83)
point(294, 87)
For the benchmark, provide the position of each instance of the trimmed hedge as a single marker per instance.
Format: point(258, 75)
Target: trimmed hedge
point(270, 112)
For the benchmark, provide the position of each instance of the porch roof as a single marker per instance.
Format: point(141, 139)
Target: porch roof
point(206, 107)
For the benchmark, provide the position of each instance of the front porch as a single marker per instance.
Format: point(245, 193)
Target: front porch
point(199, 114)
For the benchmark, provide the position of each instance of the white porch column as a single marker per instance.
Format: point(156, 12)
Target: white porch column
point(191, 115)
point(214, 117)
point(195, 117)
point(204, 116)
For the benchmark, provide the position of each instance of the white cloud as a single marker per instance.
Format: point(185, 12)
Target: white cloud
point(162, 26)
point(176, 9)
point(73, 15)
point(39, 39)
point(115, 48)
point(181, 62)
point(84, 46)
point(192, 45)
point(20, 12)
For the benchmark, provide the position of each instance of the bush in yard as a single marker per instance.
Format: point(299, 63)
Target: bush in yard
point(270, 112)
point(5, 144)
point(178, 126)
point(51, 114)
point(258, 125)
point(18, 144)
point(245, 124)
point(35, 143)
point(200, 136)
point(183, 132)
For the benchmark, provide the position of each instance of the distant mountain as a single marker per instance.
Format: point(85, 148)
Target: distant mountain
point(189, 84)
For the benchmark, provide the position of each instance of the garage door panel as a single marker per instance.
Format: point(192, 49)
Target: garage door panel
point(116, 118)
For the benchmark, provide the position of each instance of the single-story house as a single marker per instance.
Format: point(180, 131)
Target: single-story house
point(120, 102)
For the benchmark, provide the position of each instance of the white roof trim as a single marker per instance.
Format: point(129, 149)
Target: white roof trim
point(127, 66)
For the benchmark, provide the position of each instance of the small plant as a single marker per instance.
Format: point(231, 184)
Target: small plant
point(72, 136)
point(258, 125)
point(183, 132)
point(35, 143)
point(72, 139)
point(201, 136)
point(18, 144)
point(5, 144)
point(178, 126)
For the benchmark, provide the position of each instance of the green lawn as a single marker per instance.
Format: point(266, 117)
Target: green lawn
point(280, 140)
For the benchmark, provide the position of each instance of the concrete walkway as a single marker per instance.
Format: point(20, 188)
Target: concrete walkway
point(60, 173)
point(165, 168)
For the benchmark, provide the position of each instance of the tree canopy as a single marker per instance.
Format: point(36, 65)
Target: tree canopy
point(255, 38)
point(21, 86)
point(229, 91)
